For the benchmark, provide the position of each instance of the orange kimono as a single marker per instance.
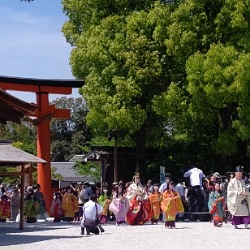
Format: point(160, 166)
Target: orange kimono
point(171, 204)
point(155, 202)
point(69, 206)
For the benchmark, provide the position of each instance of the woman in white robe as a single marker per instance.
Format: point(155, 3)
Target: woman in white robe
point(238, 199)
point(140, 210)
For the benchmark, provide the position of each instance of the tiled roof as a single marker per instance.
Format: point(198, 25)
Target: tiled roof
point(10, 155)
point(67, 171)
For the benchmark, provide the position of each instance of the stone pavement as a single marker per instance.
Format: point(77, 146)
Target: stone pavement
point(60, 236)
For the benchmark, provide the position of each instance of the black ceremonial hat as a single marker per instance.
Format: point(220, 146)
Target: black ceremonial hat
point(239, 169)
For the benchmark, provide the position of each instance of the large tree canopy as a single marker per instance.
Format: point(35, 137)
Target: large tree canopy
point(120, 52)
point(173, 68)
point(211, 41)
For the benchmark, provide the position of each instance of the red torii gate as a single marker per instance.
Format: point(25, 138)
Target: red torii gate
point(42, 88)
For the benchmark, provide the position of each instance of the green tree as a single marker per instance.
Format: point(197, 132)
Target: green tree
point(208, 99)
point(120, 52)
point(23, 136)
point(68, 135)
point(89, 169)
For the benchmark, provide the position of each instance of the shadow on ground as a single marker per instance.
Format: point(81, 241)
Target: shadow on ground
point(17, 239)
point(11, 235)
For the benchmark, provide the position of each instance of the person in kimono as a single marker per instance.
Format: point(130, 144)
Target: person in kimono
point(15, 200)
point(40, 198)
point(155, 203)
point(216, 204)
point(4, 208)
point(238, 199)
point(140, 210)
point(119, 205)
point(31, 208)
point(104, 201)
point(171, 205)
point(56, 207)
point(69, 205)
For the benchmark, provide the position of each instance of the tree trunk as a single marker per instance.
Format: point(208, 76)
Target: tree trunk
point(116, 159)
point(140, 140)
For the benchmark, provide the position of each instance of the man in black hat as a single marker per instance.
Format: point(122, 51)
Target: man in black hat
point(238, 199)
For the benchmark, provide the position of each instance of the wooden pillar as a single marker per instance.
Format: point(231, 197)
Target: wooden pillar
point(43, 147)
point(22, 198)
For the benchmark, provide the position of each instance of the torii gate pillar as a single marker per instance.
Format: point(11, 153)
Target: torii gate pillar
point(43, 147)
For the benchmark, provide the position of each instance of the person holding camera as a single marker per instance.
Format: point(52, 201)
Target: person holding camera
point(91, 212)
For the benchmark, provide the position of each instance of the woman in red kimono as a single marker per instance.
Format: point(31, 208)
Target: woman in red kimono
point(4, 208)
point(140, 210)
point(56, 207)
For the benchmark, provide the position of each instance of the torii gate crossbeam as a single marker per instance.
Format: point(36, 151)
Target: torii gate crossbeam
point(42, 88)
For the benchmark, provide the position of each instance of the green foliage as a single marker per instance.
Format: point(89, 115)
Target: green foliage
point(25, 147)
point(91, 169)
point(67, 135)
point(209, 40)
point(165, 74)
point(23, 136)
point(220, 78)
point(13, 180)
point(225, 144)
point(120, 52)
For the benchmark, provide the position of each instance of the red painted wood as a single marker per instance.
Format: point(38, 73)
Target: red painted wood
point(43, 149)
point(36, 89)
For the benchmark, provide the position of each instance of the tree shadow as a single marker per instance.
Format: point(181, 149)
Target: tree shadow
point(10, 234)
point(17, 239)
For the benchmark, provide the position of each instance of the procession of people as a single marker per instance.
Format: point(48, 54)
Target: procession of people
point(197, 198)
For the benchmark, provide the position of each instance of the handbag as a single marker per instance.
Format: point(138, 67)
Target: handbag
point(103, 219)
point(89, 222)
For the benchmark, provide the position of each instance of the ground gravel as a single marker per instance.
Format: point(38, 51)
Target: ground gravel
point(60, 236)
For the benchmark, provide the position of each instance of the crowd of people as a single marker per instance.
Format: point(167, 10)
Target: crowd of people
point(217, 198)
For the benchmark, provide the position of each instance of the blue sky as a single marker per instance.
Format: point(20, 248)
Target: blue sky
point(32, 44)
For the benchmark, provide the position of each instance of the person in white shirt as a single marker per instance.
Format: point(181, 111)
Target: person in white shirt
point(196, 176)
point(195, 195)
point(91, 210)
